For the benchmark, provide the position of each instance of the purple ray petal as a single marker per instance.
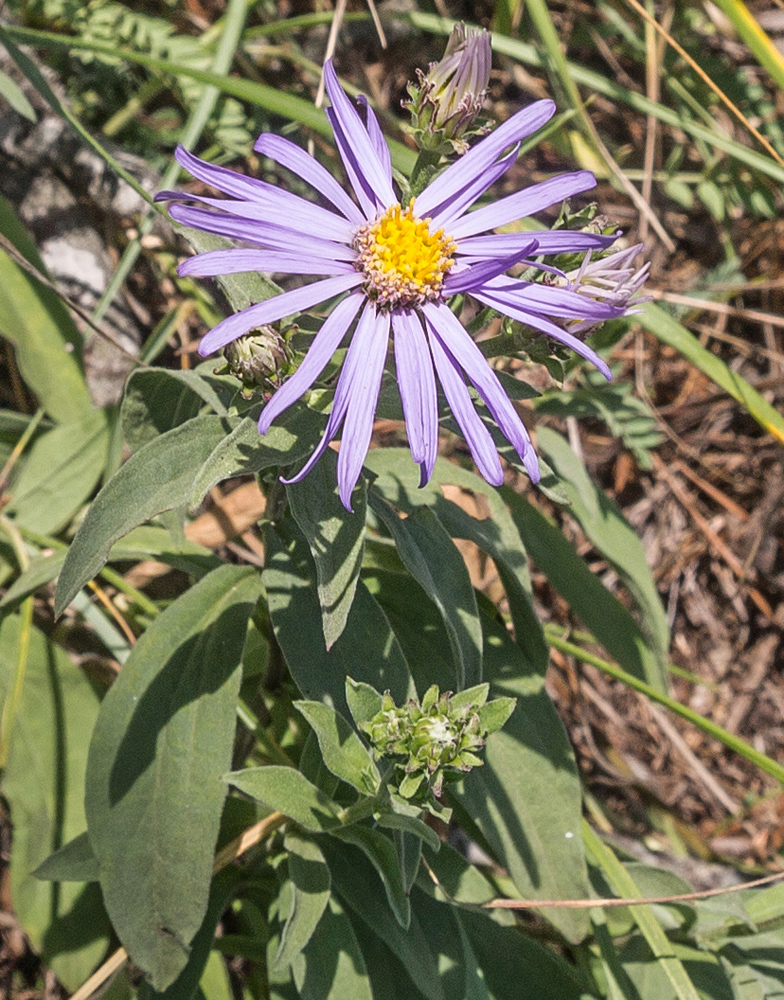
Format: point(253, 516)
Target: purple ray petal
point(477, 436)
point(549, 299)
point(276, 308)
point(445, 326)
point(483, 155)
point(283, 207)
point(365, 195)
point(354, 137)
point(324, 345)
point(362, 400)
point(523, 203)
point(268, 234)
point(215, 262)
point(480, 273)
point(546, 326)
point(289, 155)
point(550, 241)
point(377, 136)
point(225, 180)
point(463, 200)
point(350, 378)
point(417, 385)
point(567, 241)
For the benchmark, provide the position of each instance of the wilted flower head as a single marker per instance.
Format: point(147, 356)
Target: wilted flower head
point(394, 268)
point(448, 98)
point(611, 278)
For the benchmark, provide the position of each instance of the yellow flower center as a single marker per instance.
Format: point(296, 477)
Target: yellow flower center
point(403, 262)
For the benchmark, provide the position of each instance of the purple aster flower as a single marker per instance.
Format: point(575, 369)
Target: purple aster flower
point(395, 268)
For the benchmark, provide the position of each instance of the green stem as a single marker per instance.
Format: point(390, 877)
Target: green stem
point(735, 743)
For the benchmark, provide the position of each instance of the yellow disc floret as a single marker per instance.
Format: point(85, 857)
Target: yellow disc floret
point(403, 262)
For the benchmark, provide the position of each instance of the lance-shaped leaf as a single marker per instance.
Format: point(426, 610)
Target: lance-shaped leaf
point(381, 853)
point(331, 966)
point(311, 883)
point(344, 753)
point(245, 451)
point(433, 560)
point(601, 612)
point(48, 346)
point(154, 790)
point(367, 650)
point(496, 534)
point(48, 714)
point(157, 478)
point(288, 791)
point(60, 472)
point(604, 523)
point(158, 399)
point(526, 800)
point(336, 539)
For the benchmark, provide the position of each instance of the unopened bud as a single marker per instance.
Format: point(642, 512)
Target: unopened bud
point(447, 100)
point(256, 359)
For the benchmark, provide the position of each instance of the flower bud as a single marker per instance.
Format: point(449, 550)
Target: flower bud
point(256, 359)
point(435, 741)
point(447, 100)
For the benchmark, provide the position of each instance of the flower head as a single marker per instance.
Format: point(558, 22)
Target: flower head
point(610, 278)
point(436, 741)
point(394, 268)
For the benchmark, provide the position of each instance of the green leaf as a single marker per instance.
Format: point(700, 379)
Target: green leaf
point(336, 539)
point(274, 99)
point(158, 399)
point(669, 331)
point(359, 886)
point(157, 478)
point(246, 451)
point(42, 570)
point(616, 540)
point(224, 886)
point(604, 615)
point(367, 650)
point(389, 978)
point(73, 862)
point(461, 880)
point(496, 534)
point(147, 542)
point(418, 627)
point(154, 791)
point(526, 800)
point(409, 825)
point(433, 560)
point(331, 965)
point(623, 883)
point(288, 791)
point(312, 882)
point(363, 700)
point(460, 973)
point(380, 851)
point(47, 737)
point(344, 753)
point(13, 93)
point(516, 968)
point(765, 905)
point(494, 714)
point(60, 473)
point(47, 344)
